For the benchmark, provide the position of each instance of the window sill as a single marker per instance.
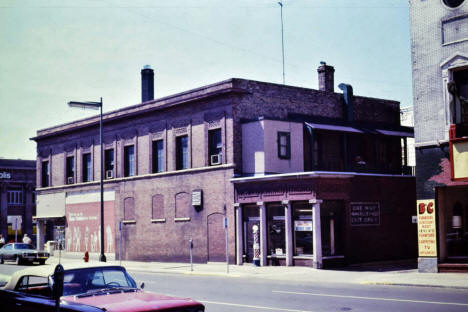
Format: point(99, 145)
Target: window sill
point(129, 221)
point(158, 220)
point(181, 219)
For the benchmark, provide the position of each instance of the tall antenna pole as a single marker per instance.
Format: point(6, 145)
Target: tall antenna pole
point(282, 36)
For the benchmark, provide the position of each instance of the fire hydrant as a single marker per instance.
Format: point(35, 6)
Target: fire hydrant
point(86, 257)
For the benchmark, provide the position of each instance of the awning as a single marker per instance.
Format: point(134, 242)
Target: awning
point(396, 133)
point(333, 127)
point(47, 217)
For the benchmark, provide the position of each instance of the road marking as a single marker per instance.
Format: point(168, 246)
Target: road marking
point(252, 306)
point(371, 298)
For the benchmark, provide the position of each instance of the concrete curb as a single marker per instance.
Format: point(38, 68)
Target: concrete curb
point(412, 285)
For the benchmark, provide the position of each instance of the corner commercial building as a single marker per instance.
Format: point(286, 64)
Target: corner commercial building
point(439, 44)
point(256, 153)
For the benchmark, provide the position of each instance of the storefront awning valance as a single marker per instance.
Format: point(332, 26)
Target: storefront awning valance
point(396, 133)
point(333, 127)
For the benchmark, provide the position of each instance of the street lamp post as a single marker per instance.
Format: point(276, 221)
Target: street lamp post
point(95, 106)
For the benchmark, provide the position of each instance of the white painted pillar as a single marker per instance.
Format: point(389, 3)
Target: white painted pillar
point(263, 234)
point(40, 238)
point(239, 232)
point(317, 233)
point(288, 231)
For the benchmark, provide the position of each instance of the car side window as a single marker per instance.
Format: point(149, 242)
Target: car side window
point(8, 247)
point(34, 285)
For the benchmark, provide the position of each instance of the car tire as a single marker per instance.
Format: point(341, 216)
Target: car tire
point(1, 260)
point(41, 262)
point(18, 260)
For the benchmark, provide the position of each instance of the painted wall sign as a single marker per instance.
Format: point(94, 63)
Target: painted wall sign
point(365, 214)
point(5, 175)
point(427, 235)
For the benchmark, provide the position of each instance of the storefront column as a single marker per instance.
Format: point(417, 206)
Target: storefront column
point(239, 231)
point(41, 231)
point(28, 227)
point(288, 232)
point(263, 234)
point(4, 211)
point(317, 232)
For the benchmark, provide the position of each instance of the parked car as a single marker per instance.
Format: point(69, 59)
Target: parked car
point(85, 288)
point(22, 253)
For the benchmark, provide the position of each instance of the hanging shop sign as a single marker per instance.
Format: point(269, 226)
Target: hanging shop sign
point(5, 175)
point(197, 200)
point(365, 214)
point(427, 239)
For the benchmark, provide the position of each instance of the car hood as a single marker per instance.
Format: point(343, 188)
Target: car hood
point(133, 301)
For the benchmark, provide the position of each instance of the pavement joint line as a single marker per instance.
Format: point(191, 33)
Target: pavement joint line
point(372, 298)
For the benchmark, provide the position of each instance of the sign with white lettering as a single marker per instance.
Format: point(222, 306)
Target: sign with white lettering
point(365, 214)
point(197, 198)
point(427, 238)
point(5, 175)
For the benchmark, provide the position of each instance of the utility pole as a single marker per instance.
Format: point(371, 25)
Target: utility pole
point(282, 36)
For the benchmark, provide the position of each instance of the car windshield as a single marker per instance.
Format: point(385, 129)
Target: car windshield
point(24, 246)
point(86, 280)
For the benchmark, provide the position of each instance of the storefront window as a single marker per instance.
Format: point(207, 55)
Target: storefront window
point(332, 224)
point(276, 234)
point(302, 215)
point(251, 217)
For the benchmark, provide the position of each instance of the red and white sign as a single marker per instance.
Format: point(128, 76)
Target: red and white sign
point(83, 213)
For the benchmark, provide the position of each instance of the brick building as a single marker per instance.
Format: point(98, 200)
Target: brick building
point(254, 152)
point(17, 198)
point(439, 43)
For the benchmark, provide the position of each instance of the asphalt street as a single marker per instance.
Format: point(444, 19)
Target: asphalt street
point(229, 294)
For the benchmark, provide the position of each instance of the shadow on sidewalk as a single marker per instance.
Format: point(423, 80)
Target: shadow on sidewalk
point(385, 266)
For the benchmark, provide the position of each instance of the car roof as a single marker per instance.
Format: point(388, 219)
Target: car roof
point(48, 269)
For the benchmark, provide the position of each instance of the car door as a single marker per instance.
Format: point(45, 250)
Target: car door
point(8, 252)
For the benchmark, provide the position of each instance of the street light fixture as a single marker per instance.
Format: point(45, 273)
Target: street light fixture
point(96, 106)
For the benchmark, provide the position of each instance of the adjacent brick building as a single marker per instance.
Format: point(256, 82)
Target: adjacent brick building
point(439, 45)
point(17, 198)
point(249, 151)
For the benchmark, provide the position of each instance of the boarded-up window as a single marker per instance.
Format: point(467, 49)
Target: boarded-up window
point(129, 208)
point(158, 206)
point(182, 205)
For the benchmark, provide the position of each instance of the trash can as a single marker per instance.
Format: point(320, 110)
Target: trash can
point(50, 247)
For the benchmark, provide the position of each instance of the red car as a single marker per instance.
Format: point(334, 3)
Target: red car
point(85, 288)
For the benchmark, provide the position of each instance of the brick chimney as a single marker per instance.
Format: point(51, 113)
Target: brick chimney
point(325, 75)
point(147, 84)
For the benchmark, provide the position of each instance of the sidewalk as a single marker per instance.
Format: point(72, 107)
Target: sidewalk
point(370, 274)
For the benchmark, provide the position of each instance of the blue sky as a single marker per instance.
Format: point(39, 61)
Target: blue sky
point(54, 51)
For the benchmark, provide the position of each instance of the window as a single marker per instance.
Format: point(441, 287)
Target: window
point(276, 227)
point(453, 3)
point(15, 197)
point(302, 214)
point(70, 169)
point(109, 163)
point(158, 156)
point(458, 88)
point(87, 167)
point(45, 174)
point(129, 161)
point(284, 145)
point(215, 147)
point(182, 152)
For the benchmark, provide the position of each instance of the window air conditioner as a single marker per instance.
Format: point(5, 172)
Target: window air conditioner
point(70, 180)
point(109, 174)
point(215, 159)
